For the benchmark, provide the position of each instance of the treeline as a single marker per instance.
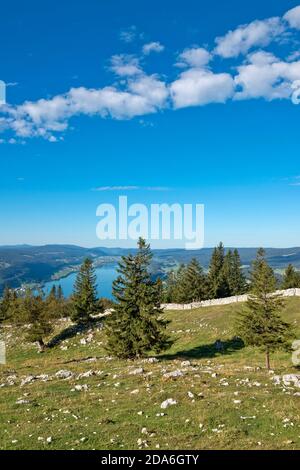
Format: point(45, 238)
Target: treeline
point(136, 325)
point(224, 278)
point(40, 311)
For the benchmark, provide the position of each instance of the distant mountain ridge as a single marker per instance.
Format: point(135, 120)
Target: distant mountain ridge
point(37, 264)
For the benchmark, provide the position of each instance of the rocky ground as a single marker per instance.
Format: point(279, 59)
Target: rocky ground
point(195, 396)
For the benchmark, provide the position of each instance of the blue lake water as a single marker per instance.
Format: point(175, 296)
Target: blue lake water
point(105, 277)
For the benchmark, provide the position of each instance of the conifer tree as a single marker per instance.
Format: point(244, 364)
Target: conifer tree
point(59, 293)
point(52, 293)
point(215, 277)
point(85, 293)
point(192, 285)
point(35, 313)
point(238, 284)
point(261, 324)
point(6, 304)
point(226, 276)
point(55, 303)
point(135, 326)
point(291, 278)
point(232, 279)
point(169, 290)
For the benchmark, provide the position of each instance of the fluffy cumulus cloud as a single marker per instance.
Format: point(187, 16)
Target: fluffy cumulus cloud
point(250, 71)
point(245, 37)
point(125, 65)
point(194, 57)
point(266, 76)
point(152, 47)
point(45, 118)
point(197, 87)
point(293, 17)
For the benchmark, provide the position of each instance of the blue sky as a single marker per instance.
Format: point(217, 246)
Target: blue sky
point(189, 101)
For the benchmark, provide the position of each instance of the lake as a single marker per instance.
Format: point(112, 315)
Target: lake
point(105, 277)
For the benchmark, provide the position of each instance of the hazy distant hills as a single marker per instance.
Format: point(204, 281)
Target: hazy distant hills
point(26, 264)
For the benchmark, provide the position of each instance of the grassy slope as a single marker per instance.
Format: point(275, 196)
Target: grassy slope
point(106, 415)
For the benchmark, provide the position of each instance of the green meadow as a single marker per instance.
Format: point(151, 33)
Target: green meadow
point(73, 396)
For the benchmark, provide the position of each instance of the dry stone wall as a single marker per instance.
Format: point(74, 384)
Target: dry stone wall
point(225, 301)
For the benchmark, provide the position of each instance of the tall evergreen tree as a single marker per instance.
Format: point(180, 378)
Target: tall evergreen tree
point(192, 285)
point(226, 275)
point(261, 324)
point(238, 284)
point(232, 279)
point(169, 289)
point(52, 293)
point(59, 293)
point(35, 313)
point(215, 277)
point(135, 326)
point(6, 304)
point(291, 278)
point(85, 293)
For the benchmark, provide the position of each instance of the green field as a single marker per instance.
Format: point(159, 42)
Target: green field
point(224, 400)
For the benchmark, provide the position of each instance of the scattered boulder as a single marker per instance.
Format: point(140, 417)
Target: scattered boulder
point(64, 374)
point(185, 363)
point(85, 375)
point(170, 401)
point(151, 360)
point(21, 401)
point(174, 374)
point(291, 379)
point(80, 388)
point(28, 380)
point(42, 377)
point(137, 371)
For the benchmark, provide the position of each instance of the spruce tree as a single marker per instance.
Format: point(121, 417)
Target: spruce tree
point(192, 284)
point(291, 278)
point(169, 287)
point(85, 293)
point(238, 284)
point(261, 324)
point(59, 293)
point(226, 276)
point(6, 304)
point(52, 293)
point(135, 326)
point(232, 279)
point(35, 313)
point(215, 277)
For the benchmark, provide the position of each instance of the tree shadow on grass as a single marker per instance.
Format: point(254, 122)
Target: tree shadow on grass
point(218, 348)
point(72, 331)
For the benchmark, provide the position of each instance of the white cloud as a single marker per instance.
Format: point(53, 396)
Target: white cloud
point(125, 65)
point(131, 188)
point(199, 87)
point(152, 47)
point(135, 93)
point(293, 17)
point(45, 118)
point(242, 39)
point(194, 57)
point(151, 88)
point(129, 34)
point(109, 102)
point(265, 76)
